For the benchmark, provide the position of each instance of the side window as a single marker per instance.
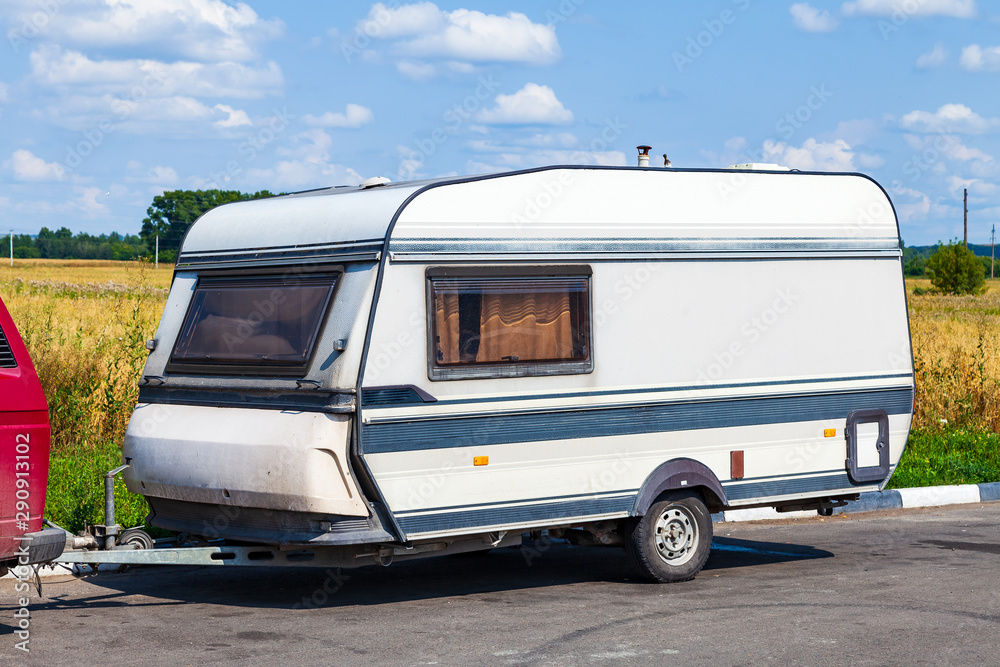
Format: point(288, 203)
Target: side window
point(509, 322)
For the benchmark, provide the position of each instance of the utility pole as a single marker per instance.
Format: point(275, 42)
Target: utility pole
point(965, 207)
point(156, 264)
point(12, 247)
point(993, 250)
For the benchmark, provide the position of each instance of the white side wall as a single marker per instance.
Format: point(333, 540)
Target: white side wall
point(667, 325)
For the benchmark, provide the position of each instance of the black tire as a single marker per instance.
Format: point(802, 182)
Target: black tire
point(671, 542)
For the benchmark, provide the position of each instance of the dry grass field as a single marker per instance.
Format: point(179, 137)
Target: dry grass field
point(85, 323)
point(956, 349)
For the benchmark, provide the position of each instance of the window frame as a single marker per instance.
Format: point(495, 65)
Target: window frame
point(514, 369)
point(248, 278)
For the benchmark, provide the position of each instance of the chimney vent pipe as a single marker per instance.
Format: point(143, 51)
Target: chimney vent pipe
point(643, 155)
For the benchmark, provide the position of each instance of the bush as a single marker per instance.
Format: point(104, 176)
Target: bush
point(987, 264)
point(954, 269)
point(915, 267)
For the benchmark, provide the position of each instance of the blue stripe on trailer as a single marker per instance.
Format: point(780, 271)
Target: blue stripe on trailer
point(787, 487)
point(505, 513)
point(509, 515)
point(496, 429)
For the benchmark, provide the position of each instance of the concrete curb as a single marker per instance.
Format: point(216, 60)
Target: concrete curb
point(59, 570)
point(930, 496)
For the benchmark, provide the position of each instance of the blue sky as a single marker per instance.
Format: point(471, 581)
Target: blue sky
point(106, 103)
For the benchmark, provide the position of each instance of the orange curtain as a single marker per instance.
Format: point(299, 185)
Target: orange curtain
point(530, 327)
point(446, 307)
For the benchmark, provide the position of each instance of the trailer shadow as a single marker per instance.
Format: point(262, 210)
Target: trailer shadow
point(538, 566)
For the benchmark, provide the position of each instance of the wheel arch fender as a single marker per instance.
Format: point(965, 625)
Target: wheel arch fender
point(680, 474)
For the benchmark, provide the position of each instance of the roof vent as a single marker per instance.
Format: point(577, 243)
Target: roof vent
point(373, 182)
point(643, 155)
point(759, 166)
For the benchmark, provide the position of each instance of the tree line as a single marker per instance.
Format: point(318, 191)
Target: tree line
point(172, 213)
point(168, 217)
point(915, 258)
point(952, 267)
point(63, 244)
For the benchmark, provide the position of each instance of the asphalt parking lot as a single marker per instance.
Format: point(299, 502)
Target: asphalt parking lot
point(899, 587)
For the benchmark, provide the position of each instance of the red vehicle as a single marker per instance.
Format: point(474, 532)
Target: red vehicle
point(24, 456)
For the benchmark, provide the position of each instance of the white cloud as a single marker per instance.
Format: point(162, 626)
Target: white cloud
point(975, 186)
point(961, 153)
point(948, 145)
point(64, 70)
point(158, 175)
point(146, 95)
point(29, 167)
point(538, 149)
point(855, 132)
point(89, 201)
point(811, 156)
point(162, 175)
point(950, 118)
point(549, 140)
point(831, 151)
point(810, 19)
point(403, 21)
point(964, 9)
point(515, 159)
point(411, 164)
point(423, 30)
point(978, 59)
point(554, 139)
point(918, 206)
point(204, 30)
point(736, 143)
point(933, 58)
point(532, 105)
point(307, 164)
point(354, 116)
point(461, 68)
point(234, 117)
point(416, 70)
point(107, 113)
point(870, 161)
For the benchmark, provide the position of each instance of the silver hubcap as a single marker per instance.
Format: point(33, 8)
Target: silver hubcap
point(676, 535)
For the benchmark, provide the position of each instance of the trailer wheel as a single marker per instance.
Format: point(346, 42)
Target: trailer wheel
point(135, 538)
point(671, 542)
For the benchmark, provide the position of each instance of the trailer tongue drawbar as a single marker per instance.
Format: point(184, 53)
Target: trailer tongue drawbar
point(109, 544)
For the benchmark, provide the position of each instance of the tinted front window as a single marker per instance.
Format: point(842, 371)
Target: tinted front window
point(253, 322)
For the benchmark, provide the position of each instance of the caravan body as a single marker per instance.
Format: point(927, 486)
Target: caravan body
point(467, 359)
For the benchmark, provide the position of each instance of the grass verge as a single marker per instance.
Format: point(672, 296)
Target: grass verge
point(75, 494)
point(935, 457)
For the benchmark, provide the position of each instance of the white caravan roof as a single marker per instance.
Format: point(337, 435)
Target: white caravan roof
point(556, 211)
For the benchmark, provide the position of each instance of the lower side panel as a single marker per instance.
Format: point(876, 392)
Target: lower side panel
point(571, 510)
point(437, 492)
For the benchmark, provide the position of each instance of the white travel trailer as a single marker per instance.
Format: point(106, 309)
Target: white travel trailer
point(609, 354)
